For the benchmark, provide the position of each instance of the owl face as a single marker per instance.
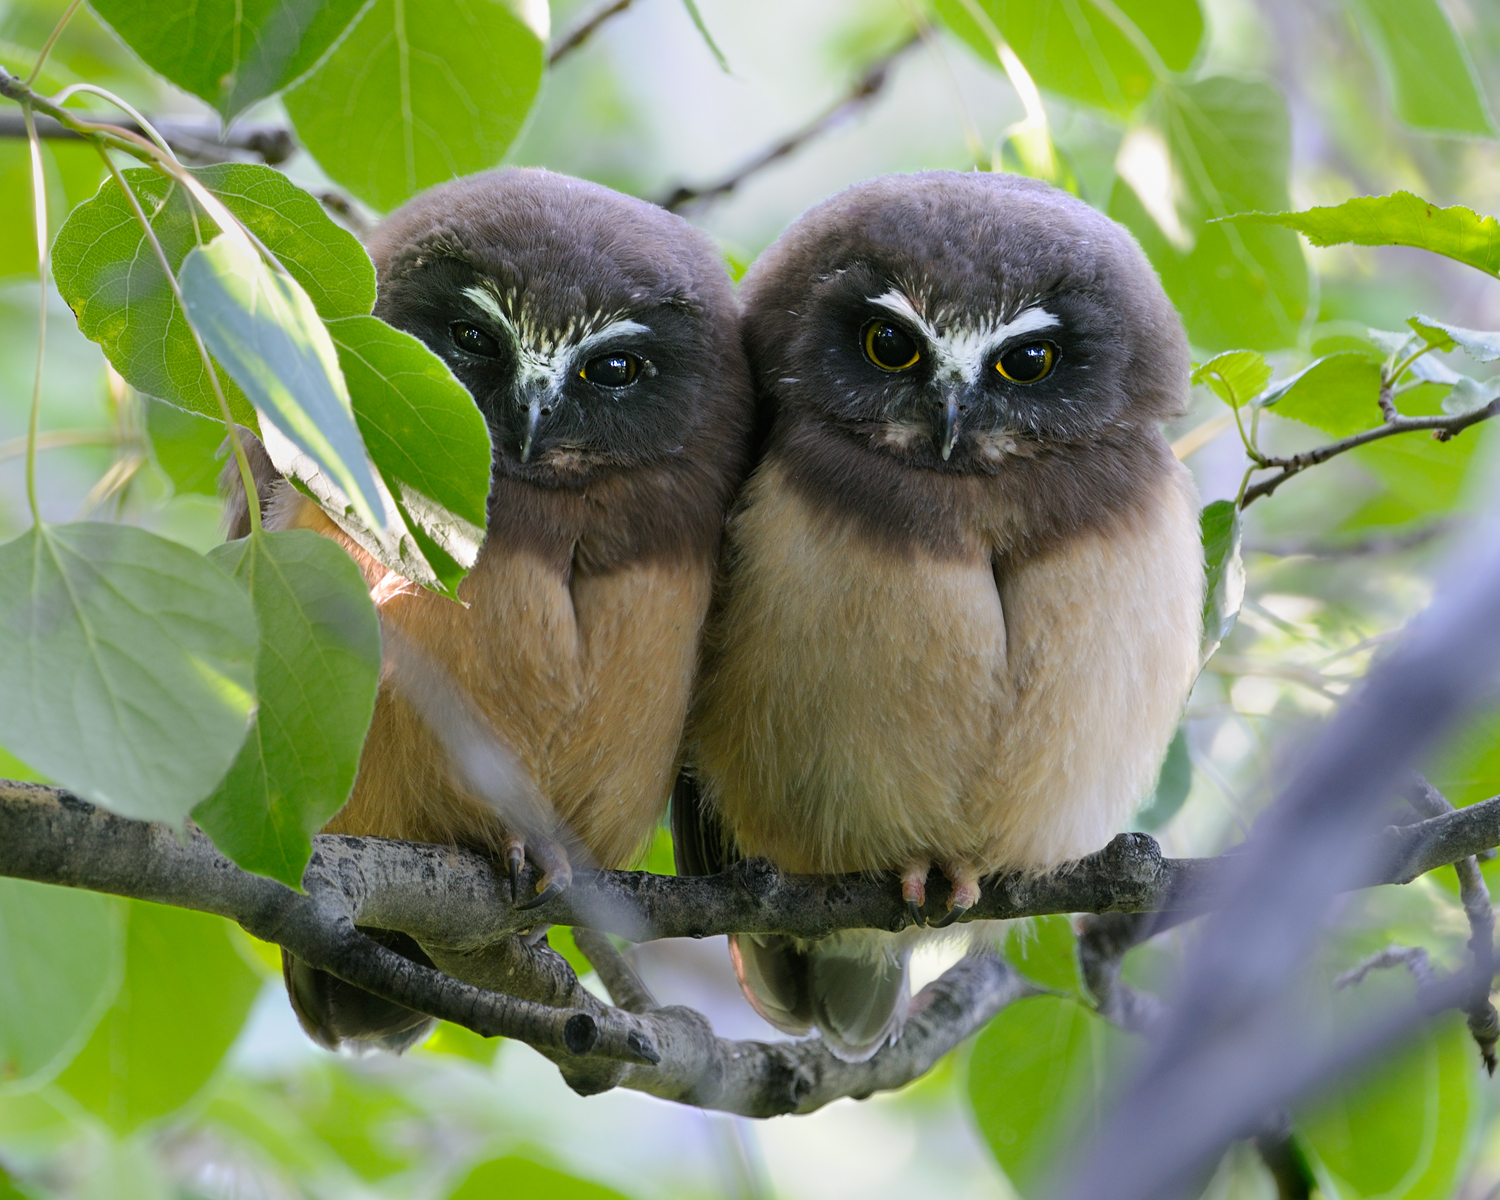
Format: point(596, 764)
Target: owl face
point(955, 321)
point(586, 325)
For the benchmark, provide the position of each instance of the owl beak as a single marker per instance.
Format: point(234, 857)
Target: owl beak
point(536, 410)
point(948, 426)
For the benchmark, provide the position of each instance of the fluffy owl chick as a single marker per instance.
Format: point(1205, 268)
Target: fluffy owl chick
point(599, 336)
point(961, 596)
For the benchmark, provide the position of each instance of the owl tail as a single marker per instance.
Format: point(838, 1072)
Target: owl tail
point(333, 1012)
point(852, 986)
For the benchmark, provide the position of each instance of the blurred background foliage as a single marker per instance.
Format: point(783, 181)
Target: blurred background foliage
point(149, 1052)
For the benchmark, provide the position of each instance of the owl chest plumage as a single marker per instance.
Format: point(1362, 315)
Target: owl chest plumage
point(863, 709)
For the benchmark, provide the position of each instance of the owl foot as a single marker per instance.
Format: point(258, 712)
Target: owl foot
point(914, 888)
point(965, 894)
point(557, 872)
point(515, 858)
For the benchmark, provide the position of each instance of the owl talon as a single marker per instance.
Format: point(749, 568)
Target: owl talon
point(552, 889)
point(951, 915)
point(915, 910)
point(914, 888)
point(515, 859)
point(965, 894)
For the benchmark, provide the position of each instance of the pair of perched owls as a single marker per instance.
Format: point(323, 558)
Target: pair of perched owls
point(887, 553)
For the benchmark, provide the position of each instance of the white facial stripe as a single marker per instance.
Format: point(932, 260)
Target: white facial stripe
point(486, 300)
point(962, 350)
point(614, 329)
point(552, 360)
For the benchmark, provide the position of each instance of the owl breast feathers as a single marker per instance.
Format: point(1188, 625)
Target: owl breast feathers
point(959, 614)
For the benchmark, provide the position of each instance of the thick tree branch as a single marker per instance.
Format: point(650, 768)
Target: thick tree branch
point(869, 85)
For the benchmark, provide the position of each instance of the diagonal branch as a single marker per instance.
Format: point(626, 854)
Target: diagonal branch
point(585, 29)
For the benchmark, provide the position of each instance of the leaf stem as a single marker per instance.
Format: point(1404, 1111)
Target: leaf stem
point(39, 208)
point(51, 41)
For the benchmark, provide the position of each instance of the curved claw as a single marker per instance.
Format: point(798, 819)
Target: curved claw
point(515, 859)
point(552, 889)
point(915, 910)
point(951, 915)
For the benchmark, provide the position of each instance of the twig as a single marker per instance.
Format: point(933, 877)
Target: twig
point(189, 138)
point(584, 29)
point(1484, 1021)
point(625, 986)
point(1103, 942)
point(1372, 545)
point(1413, 958)
point(1443, 428)
point(866, 88)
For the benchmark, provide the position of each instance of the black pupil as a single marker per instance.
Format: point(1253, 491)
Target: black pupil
point(891, 348)
point(1027, 363)
point(475, 341)
point(610, 370)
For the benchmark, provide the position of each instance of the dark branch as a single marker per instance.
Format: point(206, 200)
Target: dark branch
point(584, 29)
point(865, 89)
point(190, 138)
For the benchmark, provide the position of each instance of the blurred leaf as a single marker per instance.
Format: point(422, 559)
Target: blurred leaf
point(1399, 219)
point(1404, 1129)
point(708, 39)
point(60, 955)
point(560, 938)
point(185, 995)
point(430, 442)
point(12, 767)
point(1229, 147)
point(230, 53)
point(1338, 394)
point(72, 171)
point(1428, 75)
point(262, 328)
point(126, 666)
point(660, 857)
point(514, 1176)
point(1236, 376)
point(1173, 783)
point(110, 278)
point(361, 1117)
point(1470, 395)
point(1045, 950)
point(185, 446)
point(1224, 584)
point(316, 678)
point(1076, 47)
point(457, 1042)
point(413, 96)
point(1480, 345)
point(1035, 1076)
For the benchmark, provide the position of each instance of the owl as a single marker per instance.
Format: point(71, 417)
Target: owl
point(598, 335)
point(960, 603)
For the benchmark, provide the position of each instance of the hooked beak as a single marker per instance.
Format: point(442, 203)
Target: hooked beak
point(948, 426)
point(535, 411)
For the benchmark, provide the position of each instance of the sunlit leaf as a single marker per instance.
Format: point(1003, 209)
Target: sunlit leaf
point(1429, 77)
point(1045, 950)
point(521, 1177)
point(1173, 783)
point(417, 94)
point(60, 954)
point(72, 171)
point(185, 995)
point(1479, 344)
point(1338, 394)
point(264, 331)
point(316, 677)
point(1470, 395)
point(126, 666)
point(1105, 55)
point(1399, 219)
point(1224, 586)
point(230, 53)
point(1235, 377)
point(1227, 148)
point(1405, 1128)
point(110, 278)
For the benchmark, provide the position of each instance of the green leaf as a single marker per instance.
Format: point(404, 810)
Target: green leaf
point(126, 666)
point(1470, 395)
point(430, 442)
point(1480, 345)
point(1236, 376)
point(1224, 583)
point(185, 446)
point(110, 278)
point(1102, 54)
point(1339, 394)
point(1399, 219)
point(708, 39)
point(263, 329)
point(185, 995)
point(1034, 1079)
point(1427, 74)
point(1209, 149)
point(414, 95)
point(1045, 950)
point(316, 678)
point(60, 955)
point(230, 53)
point(72, 170)
point(1405, 1128)
point(513, 1176)
point(1173, 784)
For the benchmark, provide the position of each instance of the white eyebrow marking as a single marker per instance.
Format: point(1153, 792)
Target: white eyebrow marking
point(961, 349)
point(486, 300)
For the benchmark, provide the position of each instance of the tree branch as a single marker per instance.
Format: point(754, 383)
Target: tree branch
point(584, 29)
point(190, 138)
point(865, 89)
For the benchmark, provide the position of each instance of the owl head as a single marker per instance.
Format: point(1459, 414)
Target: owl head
point(953, 320)
point(595, 331)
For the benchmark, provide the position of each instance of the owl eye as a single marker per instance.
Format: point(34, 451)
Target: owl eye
point(472, 340)
point(889, 347)
point(611, 370)
point(1028, 363)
